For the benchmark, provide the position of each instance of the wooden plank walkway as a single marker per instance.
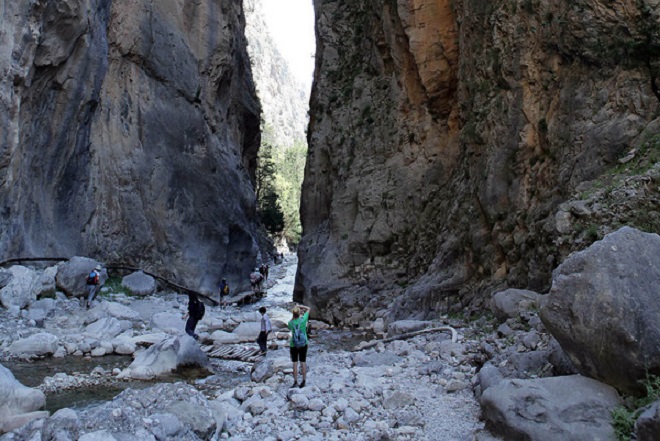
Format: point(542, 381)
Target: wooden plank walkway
point(233, 352)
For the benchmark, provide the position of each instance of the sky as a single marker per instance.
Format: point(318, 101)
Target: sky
point(291, 24)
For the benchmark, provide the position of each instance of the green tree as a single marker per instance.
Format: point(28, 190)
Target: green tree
point(291, 168)
point(268, 204)
point(280, 171)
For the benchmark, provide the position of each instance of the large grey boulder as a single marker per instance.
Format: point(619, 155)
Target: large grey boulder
point(603, 308)
point(39, 344)
point(71, 275)
point(262, 370)
point(17, 402)
point(20, 288)
point(45, 283)
point(120, 312)
point(41, 309)
point(509, 303)
point(164, 357)
point(169, 322)
point(107, 328)
point(247, 330)
point(571, 408)
point(647, 426)
point(139, 284)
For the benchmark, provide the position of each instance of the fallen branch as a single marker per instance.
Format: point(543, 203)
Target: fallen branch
point(371, 344)
point(164, 280)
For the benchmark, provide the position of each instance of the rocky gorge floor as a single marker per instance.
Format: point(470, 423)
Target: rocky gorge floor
point(492, 374)
point(410, 389)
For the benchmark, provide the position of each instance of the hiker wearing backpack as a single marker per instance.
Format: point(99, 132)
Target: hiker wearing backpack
point(195, 313)
point(255, 281)
point(298, 344)
point(92, 283)
point(224, 292)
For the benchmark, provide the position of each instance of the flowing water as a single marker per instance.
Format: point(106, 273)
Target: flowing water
point(226, 374)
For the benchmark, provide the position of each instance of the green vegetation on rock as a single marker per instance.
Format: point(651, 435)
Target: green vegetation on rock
point(624, 417)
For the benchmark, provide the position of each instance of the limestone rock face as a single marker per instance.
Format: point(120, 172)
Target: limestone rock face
point(603, 309)
point(444, 135)
point(129, 132)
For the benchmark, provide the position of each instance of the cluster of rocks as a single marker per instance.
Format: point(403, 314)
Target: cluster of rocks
point(537, 367)
point(401, 390)
point(597, 329)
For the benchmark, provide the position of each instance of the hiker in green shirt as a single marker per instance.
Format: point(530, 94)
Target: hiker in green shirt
point(298, 343)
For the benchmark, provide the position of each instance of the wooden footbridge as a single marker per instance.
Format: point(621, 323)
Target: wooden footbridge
point(233, 352)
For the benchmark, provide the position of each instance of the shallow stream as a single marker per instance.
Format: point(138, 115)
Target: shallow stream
point(226, 374)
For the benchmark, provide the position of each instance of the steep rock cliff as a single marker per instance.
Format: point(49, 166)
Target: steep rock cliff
point(284, 101)
point(129, 132)
point(445, 135)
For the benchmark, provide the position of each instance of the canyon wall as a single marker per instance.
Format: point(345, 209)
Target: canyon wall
point(445, 135)
point(284, 101)
point(129, 133)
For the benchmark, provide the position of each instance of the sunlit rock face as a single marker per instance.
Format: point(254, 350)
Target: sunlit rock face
point(129, 133)
point(284, 101)
point(445, 134)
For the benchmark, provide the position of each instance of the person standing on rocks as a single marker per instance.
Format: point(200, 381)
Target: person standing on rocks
point(92, 284)
point(298, 344)
point(224, 292)
point(195, 313)
point(266, 327)
point(255, 281)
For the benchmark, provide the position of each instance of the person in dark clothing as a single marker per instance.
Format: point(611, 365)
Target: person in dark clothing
point(195, 313)
point(266, 327)
point(224, 292)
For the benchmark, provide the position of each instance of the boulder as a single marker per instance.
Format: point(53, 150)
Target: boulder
point(45, 283)
point(508, 304)
point(225, 337)
point(139, 284)
point(107, 328)
point(169, 322)
point(40, 310)
point(164, 357)
point(647, 426)
point(571, 408)
point(71, 276)
point(262, 370)
point(19, 290)
point(17, 401)
point(120, 312)
point(405, 326)
point(603, 309)
point(37, 344)
point(247, 330)
point(489, 375)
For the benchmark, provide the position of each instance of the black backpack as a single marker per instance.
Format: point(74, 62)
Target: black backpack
point(199, 310)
